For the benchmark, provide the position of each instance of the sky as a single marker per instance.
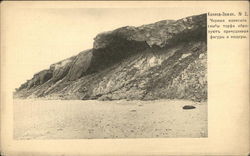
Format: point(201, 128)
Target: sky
point(35, 38)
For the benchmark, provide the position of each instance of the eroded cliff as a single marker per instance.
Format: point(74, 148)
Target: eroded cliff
point(163, 60)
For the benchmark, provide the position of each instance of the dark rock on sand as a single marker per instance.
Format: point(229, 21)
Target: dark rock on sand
point(188, 107)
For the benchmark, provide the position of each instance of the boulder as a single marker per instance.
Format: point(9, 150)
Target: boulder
point(188, 107)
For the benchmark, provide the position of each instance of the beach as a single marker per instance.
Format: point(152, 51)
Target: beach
point(91, 119)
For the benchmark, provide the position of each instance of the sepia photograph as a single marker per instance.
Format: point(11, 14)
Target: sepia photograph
point(124, 78)
point(146, 81)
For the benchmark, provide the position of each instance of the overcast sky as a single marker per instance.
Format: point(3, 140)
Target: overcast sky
point(38, 37)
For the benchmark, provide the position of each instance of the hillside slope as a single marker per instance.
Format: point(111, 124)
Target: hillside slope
point(163, 60)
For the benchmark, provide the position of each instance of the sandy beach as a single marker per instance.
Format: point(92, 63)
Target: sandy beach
point(76, 119)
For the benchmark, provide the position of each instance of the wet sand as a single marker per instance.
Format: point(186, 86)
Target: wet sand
point(75, 119)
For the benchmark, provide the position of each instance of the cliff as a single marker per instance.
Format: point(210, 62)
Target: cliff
point(163, 60)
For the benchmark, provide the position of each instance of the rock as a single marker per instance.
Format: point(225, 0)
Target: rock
point(80, 65)
point(188, 107)
point(37, 79)
point(160, 33)
point(61, 69)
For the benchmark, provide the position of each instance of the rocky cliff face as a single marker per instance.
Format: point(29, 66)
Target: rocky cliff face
point(163, 60)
